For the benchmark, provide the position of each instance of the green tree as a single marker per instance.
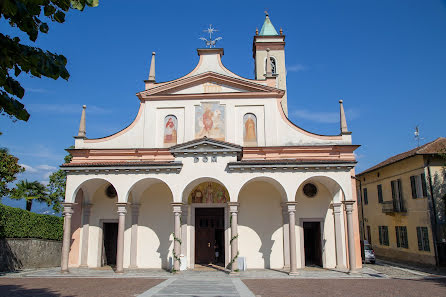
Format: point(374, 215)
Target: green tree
point(30, 191)
point(9, 168)
point(57, 184)
point(29, 16)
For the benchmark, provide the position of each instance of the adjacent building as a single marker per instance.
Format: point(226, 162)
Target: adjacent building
point(212, 171)
point(403, 205)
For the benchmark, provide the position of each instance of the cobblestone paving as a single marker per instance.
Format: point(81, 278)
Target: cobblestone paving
point(346, 287)
point(79, 287)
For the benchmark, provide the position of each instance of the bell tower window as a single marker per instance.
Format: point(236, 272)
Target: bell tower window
point(273, 65)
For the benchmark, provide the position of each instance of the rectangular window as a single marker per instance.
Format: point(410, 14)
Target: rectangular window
point(380, 193)
point(418, 186)
point(401, 237)
point(397, 196)
point(383, 235)
point(366, 199)
point(423, 239)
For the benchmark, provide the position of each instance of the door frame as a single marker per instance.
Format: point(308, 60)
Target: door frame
point(302, 238)
point(101, 239)
point(191, 223)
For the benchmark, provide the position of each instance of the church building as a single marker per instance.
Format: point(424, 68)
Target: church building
point(212, 172)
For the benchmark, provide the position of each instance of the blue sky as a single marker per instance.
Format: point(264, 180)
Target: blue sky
point(385, 59)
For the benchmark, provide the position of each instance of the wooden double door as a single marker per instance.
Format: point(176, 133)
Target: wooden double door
point(209, 236)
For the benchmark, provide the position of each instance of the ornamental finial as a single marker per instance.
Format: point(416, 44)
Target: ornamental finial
point(211, 43)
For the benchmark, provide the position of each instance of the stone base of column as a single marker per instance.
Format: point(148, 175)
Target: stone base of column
point(119, 271)
point(234, 273)
point(65, 271)
point(83, 266)
point(293, 273)
point(354, 271)
point(133, 267)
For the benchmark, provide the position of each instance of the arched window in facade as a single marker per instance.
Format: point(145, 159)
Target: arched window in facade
point(273, 65)
point(170, 130)
point(250, 129)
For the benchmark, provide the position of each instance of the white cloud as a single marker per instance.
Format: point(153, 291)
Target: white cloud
point(46, 167)
point(29, 168)
point(66, 109)
point(324, 117)
point(296, 68)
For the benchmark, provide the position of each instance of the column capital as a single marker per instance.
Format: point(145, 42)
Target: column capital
point(291, 205)
point(121, 208)
point(233, 207)
point(176, 207)
point(68, 208)
point(337, 207)
point(349, 205)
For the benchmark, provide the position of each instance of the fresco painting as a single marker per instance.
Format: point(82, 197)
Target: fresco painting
point(210, 121)
point(209, 192)
point(250, 129)
point(170, 130)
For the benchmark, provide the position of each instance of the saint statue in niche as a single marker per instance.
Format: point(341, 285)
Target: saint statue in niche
point(250, 132)
point(209, 121)
point(170, 130)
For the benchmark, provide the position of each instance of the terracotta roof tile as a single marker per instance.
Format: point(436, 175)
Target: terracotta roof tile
point(120, 163)
point(435, 147)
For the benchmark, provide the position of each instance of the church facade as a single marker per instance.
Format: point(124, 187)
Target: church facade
point(212, 171)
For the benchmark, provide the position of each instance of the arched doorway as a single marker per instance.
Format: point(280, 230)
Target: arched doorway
point(206, 202)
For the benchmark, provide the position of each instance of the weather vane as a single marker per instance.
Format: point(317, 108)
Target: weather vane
point(210, 43)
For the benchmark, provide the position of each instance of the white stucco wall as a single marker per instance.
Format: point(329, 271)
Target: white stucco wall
point(260, 226)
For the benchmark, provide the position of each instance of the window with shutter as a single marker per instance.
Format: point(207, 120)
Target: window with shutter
point(420, 239)
point(380, 235)
point(413, 187)
point(380, 193)
point(423, 184)
point(400, 196)
point(425, 239)
point(397, 229)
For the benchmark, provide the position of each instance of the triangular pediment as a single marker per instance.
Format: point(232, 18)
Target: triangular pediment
point(206, 146)
point(210, 83)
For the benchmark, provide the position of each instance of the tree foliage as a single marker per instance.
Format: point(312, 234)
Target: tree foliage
point(9, 168)
point(56, 186)
point(30, 17)
point(30, 191)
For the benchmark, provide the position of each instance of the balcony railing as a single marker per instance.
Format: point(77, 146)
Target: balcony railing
point(389, 207)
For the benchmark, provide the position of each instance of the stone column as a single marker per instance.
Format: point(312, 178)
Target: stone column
point(184, 216)
point(337, 212)
point(66, 244)
point(134, 240)
point(85, 234)
point(286, 237)
point(121, 228)
point(177, 233)
point(351, 236)
point(233, 210)
point(292, 226)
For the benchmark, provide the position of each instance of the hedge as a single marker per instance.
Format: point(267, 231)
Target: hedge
point(19, 223)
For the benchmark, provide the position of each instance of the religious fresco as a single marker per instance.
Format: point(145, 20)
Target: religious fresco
point(210, 121)
point(170, 130)
point(250, 129)
point(209, 192)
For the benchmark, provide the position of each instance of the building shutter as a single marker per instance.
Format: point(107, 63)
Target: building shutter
point(423, 184)
point(380, 235)
point(420, 239)
point(386, 235)
point(413, 186)
point(400, 196)
point(366, 198)
point(394, 200)
point(397, 229)
point(380, 194)
point(425, 239)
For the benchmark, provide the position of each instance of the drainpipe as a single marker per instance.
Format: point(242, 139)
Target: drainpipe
point(433, 212)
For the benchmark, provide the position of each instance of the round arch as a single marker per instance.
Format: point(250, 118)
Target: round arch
point(333, 187)
point(89, 187)
point(277, 185)
point(143, 184)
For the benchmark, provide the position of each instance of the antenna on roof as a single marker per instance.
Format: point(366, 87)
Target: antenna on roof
point(417, 135)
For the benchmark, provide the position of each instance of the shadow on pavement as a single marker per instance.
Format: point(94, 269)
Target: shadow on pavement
point(16, 291)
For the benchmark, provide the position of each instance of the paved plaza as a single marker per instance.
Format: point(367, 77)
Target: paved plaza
point(382, 279)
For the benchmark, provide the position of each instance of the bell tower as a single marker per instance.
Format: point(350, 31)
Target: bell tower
point(269, 40)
